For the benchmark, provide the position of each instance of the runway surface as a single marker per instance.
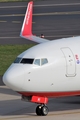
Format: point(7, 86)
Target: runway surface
point(55, 19)
point(11, 107)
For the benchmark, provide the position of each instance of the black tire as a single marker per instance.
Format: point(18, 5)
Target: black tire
point(38, 110)
point(44, 110)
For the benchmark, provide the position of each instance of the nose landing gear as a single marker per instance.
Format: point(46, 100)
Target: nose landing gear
point(42, 110)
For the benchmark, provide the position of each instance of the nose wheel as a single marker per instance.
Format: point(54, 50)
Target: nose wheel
point(42, 110)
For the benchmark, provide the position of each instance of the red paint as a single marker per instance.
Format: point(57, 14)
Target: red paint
point(27, 25)
point(37, 99)
point(76, 57)
point(50, 94)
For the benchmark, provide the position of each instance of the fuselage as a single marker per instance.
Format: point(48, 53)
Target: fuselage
point(49, 69)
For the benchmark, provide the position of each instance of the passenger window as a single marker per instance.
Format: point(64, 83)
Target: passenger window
point(44, 61)
point(37, 62)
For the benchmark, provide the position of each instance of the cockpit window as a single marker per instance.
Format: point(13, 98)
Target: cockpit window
point(44, 61)
point(37, 62)
point(40, 62)
point(17, 60)
point(27, 61)
point(24, 60)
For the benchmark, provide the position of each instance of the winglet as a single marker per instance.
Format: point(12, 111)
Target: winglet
point(26, 31)
point(27, 24)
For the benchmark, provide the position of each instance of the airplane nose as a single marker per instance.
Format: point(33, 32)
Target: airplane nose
point(14, 77)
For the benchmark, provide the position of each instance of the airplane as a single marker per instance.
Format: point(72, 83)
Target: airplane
point(47, 70)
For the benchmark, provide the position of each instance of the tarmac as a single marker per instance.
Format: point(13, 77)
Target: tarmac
point(64, 22)
point(12, 108)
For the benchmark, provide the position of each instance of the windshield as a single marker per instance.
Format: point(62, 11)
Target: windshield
point(27, 61)
point(24, 60)
point(40, 62)
point(17, 60)
point(44, 61)
point(37, 62)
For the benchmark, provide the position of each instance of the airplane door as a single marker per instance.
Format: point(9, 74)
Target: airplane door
point(70, 62)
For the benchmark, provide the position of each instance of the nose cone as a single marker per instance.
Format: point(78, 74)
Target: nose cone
point(14, 77)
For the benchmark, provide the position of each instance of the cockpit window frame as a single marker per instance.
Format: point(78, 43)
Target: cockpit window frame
point(40, 61)
point(36, 61)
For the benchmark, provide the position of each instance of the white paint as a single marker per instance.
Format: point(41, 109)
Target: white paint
point(50, 77)
point(41, 77)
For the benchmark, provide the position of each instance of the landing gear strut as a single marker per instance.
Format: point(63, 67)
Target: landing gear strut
point(42, 110)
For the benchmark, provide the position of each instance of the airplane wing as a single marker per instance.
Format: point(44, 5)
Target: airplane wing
point(26, 31)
